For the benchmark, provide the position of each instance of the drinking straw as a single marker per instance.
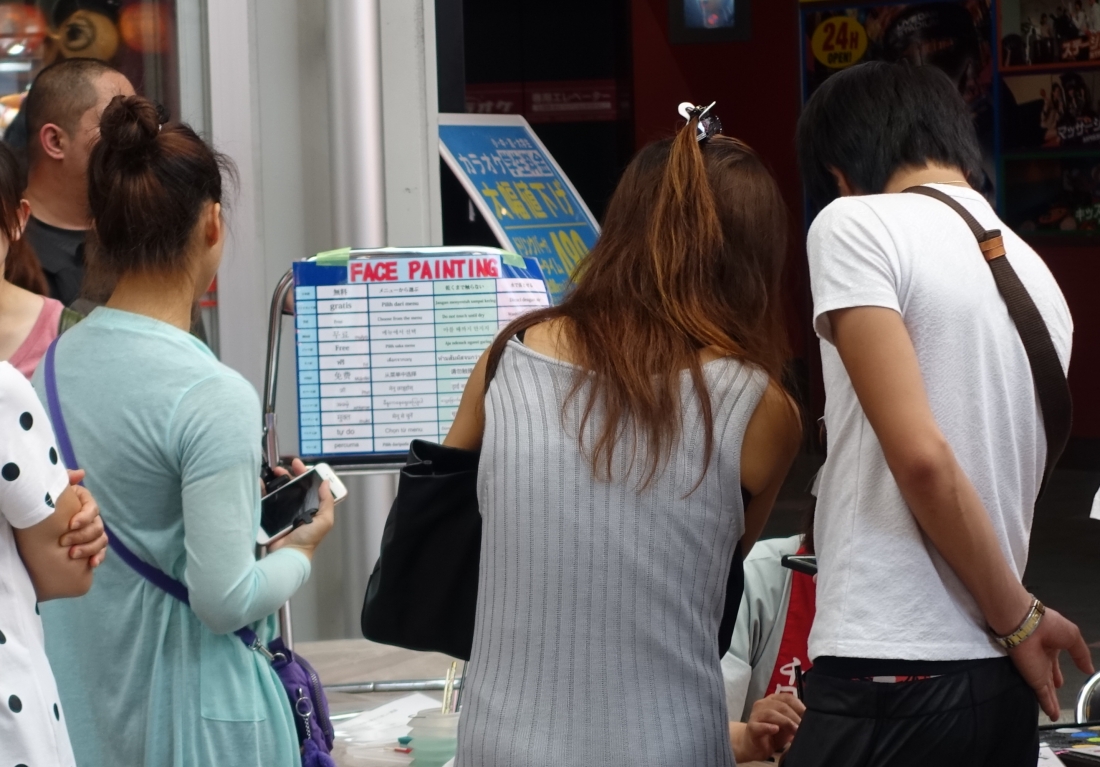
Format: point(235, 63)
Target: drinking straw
point(461, 687)
point(449, 687)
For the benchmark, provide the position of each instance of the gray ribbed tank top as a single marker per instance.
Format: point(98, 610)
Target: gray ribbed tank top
point(596, 640)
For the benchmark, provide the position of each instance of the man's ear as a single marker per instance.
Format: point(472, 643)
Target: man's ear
point(842, 184)
point(54, 141)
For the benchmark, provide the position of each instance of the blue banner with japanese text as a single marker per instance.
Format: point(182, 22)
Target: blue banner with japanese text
point(528, 201)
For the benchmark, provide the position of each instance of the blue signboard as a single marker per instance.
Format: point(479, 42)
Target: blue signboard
point(530, 204)
point(386, 343)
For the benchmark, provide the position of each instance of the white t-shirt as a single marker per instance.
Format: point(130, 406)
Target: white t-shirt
point(32, 724)
point(761, 620)
point(882, 590)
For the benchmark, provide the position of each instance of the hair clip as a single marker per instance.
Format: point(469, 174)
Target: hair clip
point(708, 125)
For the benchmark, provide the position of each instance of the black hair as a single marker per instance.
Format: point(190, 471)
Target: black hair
point(61, 94)
point(148, 181)
point(875, 118)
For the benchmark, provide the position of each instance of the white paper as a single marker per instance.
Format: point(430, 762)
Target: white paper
point(1096, 507)
point(388, 722)
point(1047, 758)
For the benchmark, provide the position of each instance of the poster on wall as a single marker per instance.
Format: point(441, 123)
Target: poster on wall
point(1050, 116)
point(956, 37)
point(1051, 111)
point(1053, 195)
point(1049, 32)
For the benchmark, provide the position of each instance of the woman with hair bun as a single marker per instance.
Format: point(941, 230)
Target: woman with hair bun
point(170, 438)
point(631, 439)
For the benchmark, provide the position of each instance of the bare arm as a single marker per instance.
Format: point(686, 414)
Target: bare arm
point(468, 428)
point(53, 572)
point(878, 354)
point(770, 445)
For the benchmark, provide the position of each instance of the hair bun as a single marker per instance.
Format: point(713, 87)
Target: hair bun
point(131, 124)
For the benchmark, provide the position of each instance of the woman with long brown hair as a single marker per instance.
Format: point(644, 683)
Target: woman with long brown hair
point(621, 434)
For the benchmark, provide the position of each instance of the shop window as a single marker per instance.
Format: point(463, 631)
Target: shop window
point(136, 37)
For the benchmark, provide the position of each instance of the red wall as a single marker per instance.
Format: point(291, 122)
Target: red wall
point(1077, 270)
point(757, 84)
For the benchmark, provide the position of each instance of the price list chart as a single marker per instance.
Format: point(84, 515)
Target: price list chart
point(385, 345)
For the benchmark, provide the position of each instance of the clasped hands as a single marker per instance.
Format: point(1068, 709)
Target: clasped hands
point(770, 729)
point(85, 538)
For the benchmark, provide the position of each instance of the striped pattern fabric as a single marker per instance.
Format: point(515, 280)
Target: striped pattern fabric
point(596, 640)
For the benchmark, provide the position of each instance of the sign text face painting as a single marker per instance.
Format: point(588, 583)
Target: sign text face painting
point(420, 269)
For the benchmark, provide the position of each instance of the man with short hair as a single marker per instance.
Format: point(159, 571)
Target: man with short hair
point(63, 110)
point(936, 443)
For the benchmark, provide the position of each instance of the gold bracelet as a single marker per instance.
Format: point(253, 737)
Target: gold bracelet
point(1026, 629)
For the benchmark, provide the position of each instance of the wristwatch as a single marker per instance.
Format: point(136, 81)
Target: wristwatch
point(1026, 629)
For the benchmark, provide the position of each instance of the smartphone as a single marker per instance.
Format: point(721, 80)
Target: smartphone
point(295, 502)
point(800, 564)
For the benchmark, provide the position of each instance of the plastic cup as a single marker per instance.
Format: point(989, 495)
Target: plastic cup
point(434, 738)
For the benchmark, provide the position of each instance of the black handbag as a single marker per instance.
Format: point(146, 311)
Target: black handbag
point(422, 594)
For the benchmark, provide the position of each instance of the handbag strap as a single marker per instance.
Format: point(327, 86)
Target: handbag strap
point(1051, 385)
point(158, 578)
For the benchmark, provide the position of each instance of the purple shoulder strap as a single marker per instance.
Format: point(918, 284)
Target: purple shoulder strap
point(158, 578)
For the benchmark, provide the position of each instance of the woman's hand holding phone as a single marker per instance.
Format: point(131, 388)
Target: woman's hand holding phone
point(305, 538)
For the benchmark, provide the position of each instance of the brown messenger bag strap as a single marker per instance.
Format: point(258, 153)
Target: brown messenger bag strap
point(1050, 380)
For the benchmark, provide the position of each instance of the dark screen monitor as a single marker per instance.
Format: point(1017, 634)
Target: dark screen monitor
point(701, 21)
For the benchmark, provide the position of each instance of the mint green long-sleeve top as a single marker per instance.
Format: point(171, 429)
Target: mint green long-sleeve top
point(170, 439)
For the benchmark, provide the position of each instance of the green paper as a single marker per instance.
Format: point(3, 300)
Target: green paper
point(513, 259)
point(338, 257)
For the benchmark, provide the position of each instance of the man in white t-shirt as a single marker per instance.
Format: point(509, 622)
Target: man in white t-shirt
point(936, 443)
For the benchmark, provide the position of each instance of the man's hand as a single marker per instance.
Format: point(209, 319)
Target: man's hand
point(1037, 658)
point(771, 727)
point(85, 538)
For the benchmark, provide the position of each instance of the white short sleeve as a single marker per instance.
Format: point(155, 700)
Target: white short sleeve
point(853, 262)
point(32, 475)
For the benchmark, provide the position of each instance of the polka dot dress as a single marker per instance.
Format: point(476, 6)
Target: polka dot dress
point(32, 722)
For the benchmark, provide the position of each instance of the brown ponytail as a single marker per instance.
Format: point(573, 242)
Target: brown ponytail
point(148, 181)
point(691, 256)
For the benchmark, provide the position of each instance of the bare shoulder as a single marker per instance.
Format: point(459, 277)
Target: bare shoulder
point(772, 438)
point(549, 338)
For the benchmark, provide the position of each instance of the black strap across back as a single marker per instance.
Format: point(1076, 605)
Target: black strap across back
point(1050, 380)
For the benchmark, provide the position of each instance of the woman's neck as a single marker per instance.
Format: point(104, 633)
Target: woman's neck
point(164, 297)
point(19, 310)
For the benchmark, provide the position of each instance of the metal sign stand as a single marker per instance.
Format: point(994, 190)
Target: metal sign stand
point(271, 452)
